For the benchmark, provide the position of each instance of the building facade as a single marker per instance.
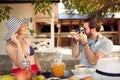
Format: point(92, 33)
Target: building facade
point(58, 29)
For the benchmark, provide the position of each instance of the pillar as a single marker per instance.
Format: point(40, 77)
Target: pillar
point(118, 31)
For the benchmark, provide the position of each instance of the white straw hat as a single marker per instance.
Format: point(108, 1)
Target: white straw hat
point(13, 24)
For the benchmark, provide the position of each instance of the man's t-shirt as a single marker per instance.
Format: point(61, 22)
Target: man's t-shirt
point(103, 45)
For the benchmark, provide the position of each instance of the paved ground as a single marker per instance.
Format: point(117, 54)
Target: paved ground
point(46, 59)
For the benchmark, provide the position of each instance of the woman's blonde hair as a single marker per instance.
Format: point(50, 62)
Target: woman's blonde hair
point(11, 43)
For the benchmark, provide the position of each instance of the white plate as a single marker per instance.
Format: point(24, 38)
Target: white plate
point(88, 72)
point(82, 76)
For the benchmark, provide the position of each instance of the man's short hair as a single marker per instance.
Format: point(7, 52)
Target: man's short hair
point(94, 22)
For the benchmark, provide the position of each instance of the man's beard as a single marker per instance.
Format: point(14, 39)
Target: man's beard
point(89, 34)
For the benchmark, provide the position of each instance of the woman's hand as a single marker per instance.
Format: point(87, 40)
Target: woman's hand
point(14, 38)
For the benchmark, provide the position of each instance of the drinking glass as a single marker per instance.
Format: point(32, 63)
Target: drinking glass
point(58, 68)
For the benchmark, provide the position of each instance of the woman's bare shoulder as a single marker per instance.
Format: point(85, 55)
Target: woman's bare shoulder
point(10, 48)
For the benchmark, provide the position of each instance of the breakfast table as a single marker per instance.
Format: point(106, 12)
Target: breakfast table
point(90, 72)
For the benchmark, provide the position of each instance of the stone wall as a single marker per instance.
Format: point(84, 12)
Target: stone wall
point(5, 64)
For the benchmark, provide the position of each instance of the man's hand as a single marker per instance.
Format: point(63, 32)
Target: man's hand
point(76, 36)
point(83, 38)
point(80, 37)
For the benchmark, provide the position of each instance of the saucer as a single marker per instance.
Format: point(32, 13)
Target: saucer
point(76, 72)
point(86, 71)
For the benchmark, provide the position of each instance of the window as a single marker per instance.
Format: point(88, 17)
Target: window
point(45, 28)
point(65, 28)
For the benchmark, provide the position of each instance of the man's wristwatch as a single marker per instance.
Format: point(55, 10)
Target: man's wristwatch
point(85, 44)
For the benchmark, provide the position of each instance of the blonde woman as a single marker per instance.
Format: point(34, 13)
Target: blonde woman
point(18, 47)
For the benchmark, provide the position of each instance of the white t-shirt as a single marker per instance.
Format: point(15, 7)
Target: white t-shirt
point(103, 45)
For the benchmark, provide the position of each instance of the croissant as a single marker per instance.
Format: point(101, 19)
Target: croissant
point(88, 78)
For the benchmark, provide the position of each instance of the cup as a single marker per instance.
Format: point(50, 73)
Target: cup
point(58, 68)
point(81, 68)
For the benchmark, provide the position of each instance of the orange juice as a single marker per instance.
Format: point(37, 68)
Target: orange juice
point(58, 69)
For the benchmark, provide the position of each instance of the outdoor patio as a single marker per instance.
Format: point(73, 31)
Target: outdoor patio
point(45, 58)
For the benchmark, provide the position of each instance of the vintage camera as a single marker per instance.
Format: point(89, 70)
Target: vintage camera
point(80, 29)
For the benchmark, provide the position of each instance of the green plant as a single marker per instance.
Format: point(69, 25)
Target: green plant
point(43, 7)
point(32, 31)
point(4, 12)
point(39, 7)
point(92, 7)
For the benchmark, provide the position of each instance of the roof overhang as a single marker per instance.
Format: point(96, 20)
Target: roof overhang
point(77, 16)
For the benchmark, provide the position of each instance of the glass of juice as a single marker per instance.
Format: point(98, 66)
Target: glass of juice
point(58, 68)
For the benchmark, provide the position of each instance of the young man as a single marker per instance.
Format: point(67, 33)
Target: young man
point(91, 45)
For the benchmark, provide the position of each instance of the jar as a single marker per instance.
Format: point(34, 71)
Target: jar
point(26, 65)
point(58, 68)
